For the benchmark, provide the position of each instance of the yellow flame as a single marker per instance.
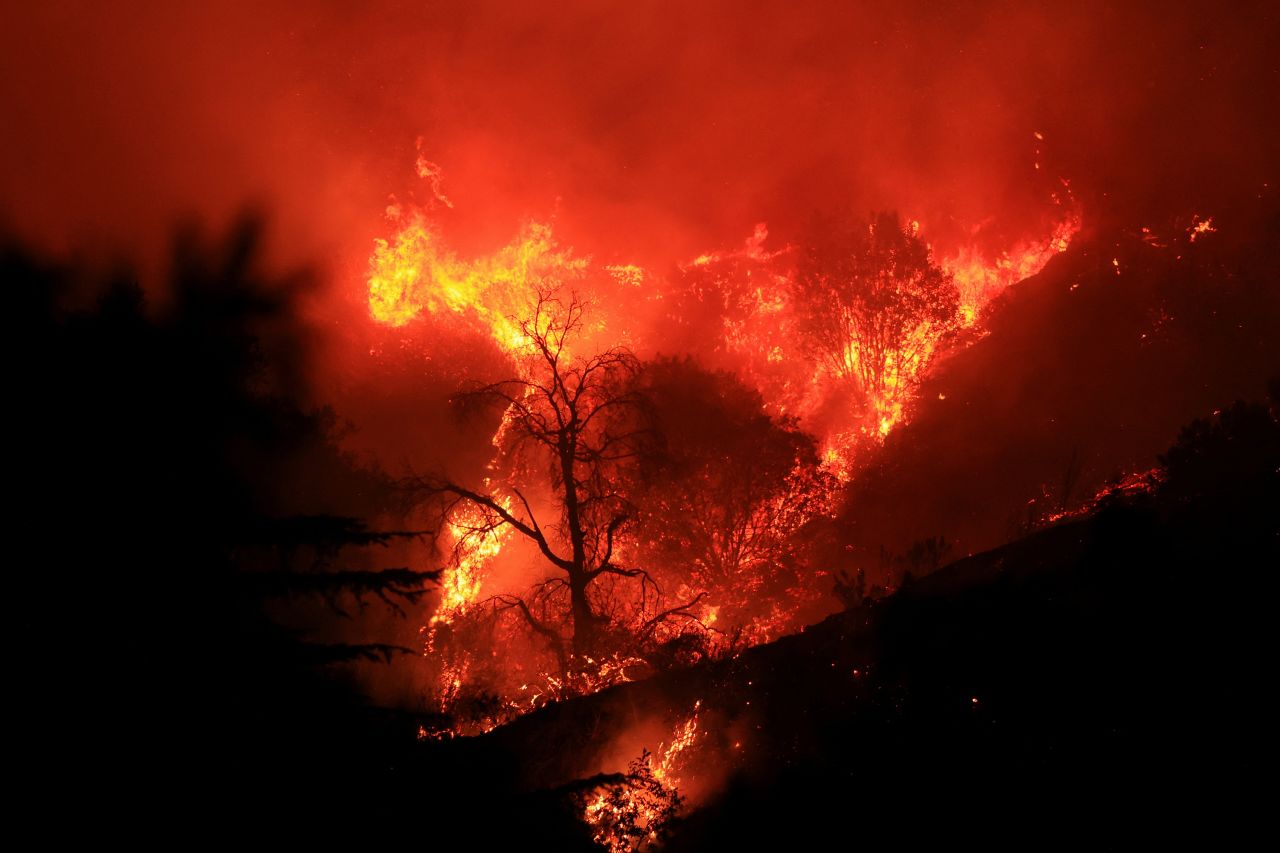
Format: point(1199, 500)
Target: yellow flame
point(980, 280)
point(614, 818)
point(415, 271)
point(1200, 227)
point(460, 584)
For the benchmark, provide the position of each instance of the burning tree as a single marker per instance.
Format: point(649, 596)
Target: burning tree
point(570, 424)
point(710, 521)
point(873, 307)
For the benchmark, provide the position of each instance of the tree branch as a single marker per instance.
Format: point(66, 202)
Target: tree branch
point(492, 505)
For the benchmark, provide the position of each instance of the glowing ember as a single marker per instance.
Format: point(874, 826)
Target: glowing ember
point(1200, 227)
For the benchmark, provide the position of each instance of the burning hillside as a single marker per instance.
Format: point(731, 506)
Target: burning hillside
point(830, 338)
point(662, 426)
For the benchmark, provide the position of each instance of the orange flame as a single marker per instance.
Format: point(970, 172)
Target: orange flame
point(474, 546)
point(619, 811)
point(980, 280)
point(1200, 227)
point(415, 271)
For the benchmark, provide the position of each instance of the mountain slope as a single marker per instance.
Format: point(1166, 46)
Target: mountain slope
point(1111, 668)
point(1088, 370)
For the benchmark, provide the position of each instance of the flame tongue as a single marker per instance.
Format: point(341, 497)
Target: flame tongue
point(415, 271)
point(980, 279)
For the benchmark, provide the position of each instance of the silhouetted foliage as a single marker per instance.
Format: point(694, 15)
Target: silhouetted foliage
point(1236, 450)
point(728, 491)
point(570, 427)
point(181, 485)
point(636, 811)
point(851, 588)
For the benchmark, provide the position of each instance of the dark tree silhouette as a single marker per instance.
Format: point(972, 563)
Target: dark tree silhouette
point(727, 490)
point(570, 422)
point(1237, 450)
point(184, 490)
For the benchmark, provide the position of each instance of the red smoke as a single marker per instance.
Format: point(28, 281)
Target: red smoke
point(653, 130)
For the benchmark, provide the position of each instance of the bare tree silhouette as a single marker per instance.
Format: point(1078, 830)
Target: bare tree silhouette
point(577, 419)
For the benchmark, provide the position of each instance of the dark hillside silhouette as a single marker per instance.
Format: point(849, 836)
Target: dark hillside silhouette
point(183, 488)
point(1097, 675)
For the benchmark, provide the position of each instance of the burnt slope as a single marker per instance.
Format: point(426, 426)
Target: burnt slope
point(1112, 669)
point(1101, 358)
point(1109, 671)
point(1120, 666)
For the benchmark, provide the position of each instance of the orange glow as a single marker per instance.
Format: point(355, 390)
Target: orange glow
point(630, 815)
point(1200, 227)
point(749, 294)
point(415, 271)
point(474, 546)
point(980, 279)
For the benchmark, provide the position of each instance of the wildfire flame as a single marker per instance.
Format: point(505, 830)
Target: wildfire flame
point(475, 544)
point(1200, 227)
point(980, 279)
point(630, 815)
point(415, 272)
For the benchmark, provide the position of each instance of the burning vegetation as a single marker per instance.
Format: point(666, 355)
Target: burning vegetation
point(736, 426)
point(617, 531)
point(634, 812)
point(670, 459)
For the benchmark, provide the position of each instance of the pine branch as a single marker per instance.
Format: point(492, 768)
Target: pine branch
point(387, 585)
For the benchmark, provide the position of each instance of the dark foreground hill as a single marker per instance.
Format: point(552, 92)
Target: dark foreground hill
point(1115, 666)
point(1110, 672)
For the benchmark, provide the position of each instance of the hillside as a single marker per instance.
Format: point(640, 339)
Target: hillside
point(1111, 668)
point(1088, 370)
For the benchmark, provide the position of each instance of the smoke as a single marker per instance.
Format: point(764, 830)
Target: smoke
point(650, 132)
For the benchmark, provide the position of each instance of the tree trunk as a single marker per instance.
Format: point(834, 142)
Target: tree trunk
point(583, 618)
point(580, 606)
